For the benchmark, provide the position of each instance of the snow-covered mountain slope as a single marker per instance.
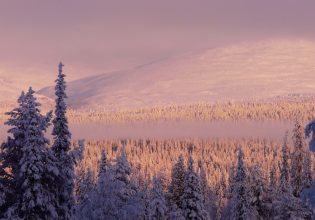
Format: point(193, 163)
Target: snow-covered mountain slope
point(243, 71)
point(8, 89)
point(12, 82)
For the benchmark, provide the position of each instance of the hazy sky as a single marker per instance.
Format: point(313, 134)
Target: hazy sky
point(93, 36)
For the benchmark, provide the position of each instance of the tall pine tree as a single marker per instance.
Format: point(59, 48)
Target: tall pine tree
point(11, 153)
point(176, 187)
point(240, 199)
point(61, 148)
point(157, 209)
point(61, 133)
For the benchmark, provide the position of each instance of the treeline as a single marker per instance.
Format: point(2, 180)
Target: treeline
point(281, 109)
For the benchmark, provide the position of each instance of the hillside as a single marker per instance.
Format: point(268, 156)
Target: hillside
point(244, 71)
point(8, 90)
point(12, 82)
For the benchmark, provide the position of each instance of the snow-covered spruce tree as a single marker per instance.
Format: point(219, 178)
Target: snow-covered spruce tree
point(119, 193)
point(297, 160)
point(11, 152)
point(85, 187)
point(61, 148)
point(97, 198)
point(157, 205)
point(37, 194)
point(192, 199)
point(122, 176)
point(93, 207)
point(258, 192)
point(307, 171)
point(115, 196)
point(61, 133)
point(240, 199)
point(85, 194)
point(176, 187)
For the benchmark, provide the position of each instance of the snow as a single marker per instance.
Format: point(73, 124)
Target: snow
point(248, 70)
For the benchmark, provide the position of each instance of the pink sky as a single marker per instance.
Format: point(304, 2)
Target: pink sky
point(93, 36)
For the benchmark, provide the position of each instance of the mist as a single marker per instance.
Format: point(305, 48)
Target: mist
point(271, 130)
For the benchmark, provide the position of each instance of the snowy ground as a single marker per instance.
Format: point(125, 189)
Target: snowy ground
point(243, 71)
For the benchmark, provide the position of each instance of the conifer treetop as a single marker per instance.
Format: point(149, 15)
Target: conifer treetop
point(61, 131)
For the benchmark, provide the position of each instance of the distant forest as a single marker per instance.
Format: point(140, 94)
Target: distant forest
point(283, 109)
